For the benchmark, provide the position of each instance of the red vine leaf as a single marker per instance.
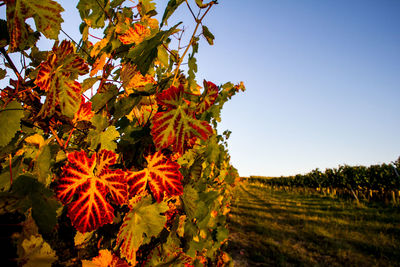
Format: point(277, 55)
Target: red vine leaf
point(177, 126)
point(85, 112)
point(84, 185)
point(57, 77)
point(161, 175)
point(208, 97)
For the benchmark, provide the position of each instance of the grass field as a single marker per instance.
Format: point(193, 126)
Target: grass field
point(277, 228)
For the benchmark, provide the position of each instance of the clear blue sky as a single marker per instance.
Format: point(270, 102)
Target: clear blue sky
point(322, 78)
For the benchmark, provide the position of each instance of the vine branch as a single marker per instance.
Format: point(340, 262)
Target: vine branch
point(11, 63)
point(198, 22)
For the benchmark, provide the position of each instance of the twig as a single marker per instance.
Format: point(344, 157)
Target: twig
point(59, 141)
point(10, 162)
point(190, 9)
point(69, 138)
point(75, 42)
point(11, 63)
point(198, 22)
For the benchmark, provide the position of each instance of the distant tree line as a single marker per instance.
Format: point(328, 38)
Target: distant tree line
point(373, 182)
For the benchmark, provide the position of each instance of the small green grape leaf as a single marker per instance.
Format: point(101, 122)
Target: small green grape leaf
point(93, 12)
point(43, 165)
point(208, 35)
point(10, 117)
point(3, 73)
point(106, 139)
point(189, 199)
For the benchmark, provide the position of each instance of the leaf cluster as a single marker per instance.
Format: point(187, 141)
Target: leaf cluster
point(109, 151)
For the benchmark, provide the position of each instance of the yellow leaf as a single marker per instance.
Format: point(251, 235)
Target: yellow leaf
point(36, 140)
point(99, 64)
point(135, 35)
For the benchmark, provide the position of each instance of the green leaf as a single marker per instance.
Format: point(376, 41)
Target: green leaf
point(3, 73)
point(10, 118)
point(106, 139)
point(43, 165)
point(125, 105)
point(44, 210)
point(208, 35)
point(189, 199)
point(222, 234)
point(46, 14)
point(170, 9)
point(34, 194)
point(144, 54)
point(116, 3)
point(200, 4)
point(162, 55)
point(89, 82)
point(100, 100)
point(147, 7)
point(139, 226)
point(93, 12)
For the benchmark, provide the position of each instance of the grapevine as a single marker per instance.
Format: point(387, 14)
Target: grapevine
point(110, 154)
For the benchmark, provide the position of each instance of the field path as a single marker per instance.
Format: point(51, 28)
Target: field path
point(277, 228)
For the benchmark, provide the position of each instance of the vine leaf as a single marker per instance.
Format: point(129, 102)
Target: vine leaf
point(143, 111)
point(208, 35)
point(33, 194)
point(177, 126)
point(57, 77)
point(208, 97)
point(37, 252)
point(93, 13)
point(46, 14)
point(133, 80)
point(84, 112)
point(10, 116)
point(105, 259)
point(143, 54)
point(84, 185)
point(105, 139)
point(161, 175)
point(170, 9)
point(135, 34)
point(140, 224)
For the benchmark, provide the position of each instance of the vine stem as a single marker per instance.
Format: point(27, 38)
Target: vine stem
point(69, 138)
point(198, 22)
point(4, 52)
point(10, 163)
point(59, 141)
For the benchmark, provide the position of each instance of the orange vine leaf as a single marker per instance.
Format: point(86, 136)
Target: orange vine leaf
point(84, 185)
point(161, 175)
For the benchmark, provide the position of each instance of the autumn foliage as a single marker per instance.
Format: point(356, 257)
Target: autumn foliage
point(110, 154)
